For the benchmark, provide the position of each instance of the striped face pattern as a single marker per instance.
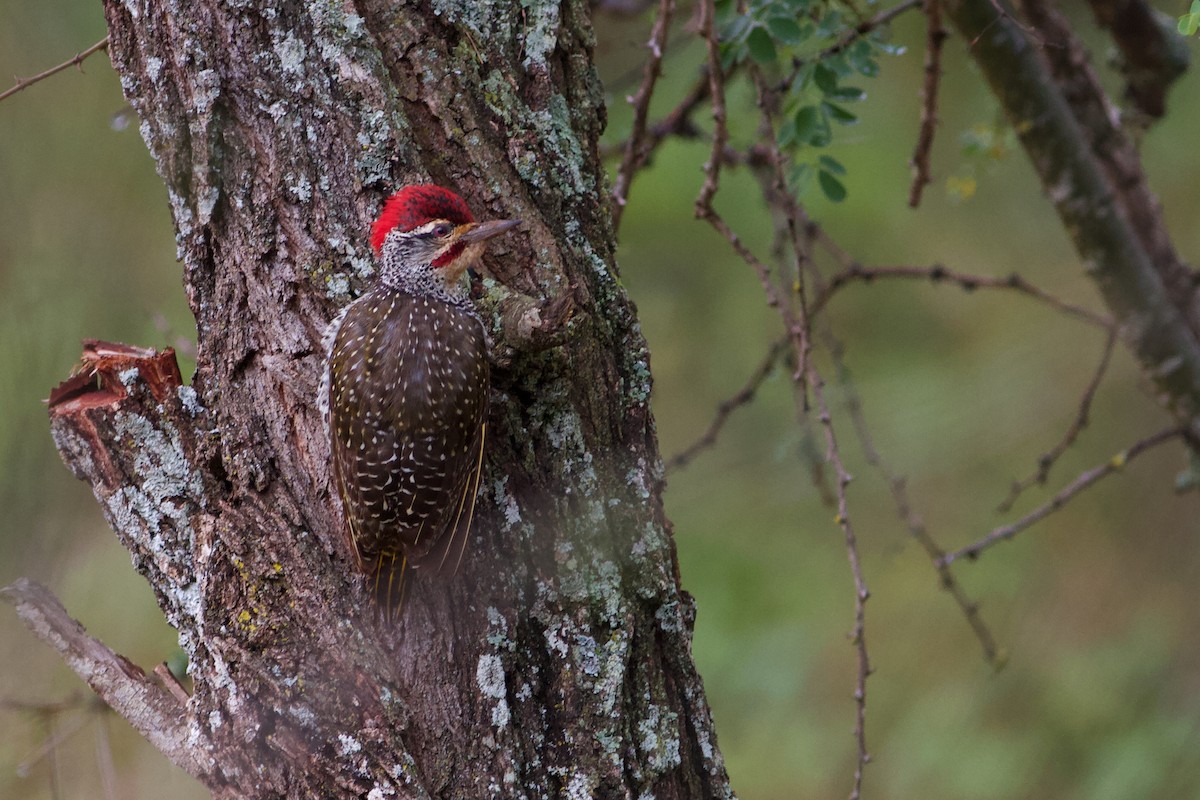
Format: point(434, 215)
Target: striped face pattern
point(405, 394)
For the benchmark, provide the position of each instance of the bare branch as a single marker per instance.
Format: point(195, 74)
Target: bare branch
point(898, 487)
point(1059, 500)
point(968, 282)
point(75, 61)
point(635, 151)
point(1047, 460)
point(858, 635)
point(727, 407)
point(795, 322)
point(1092, 172)
point(122, 684)
point(677, 123)
point(935, 36)
point(716, 90)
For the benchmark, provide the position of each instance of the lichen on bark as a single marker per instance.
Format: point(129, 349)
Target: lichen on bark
point(557, 663)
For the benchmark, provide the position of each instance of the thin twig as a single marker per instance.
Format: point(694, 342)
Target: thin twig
point(49, 746)
point(635, 154)
point(795, 320)
point(806, 374)
point(1083, 481)
point(676, 123)
point(25, 83)
point(898, 487)
point(857, 273)
point(858, 635)
point(850, 37)
point(1047, 460)
point(727, 407)
point(935, 36)
point(151, 710)
point(716, 90)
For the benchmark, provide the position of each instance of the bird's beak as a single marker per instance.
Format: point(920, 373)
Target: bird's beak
point(482, 231)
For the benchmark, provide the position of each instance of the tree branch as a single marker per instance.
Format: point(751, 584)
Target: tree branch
point(1094, 178)
point(1154, 56)
point(935, 36)
point(1047, 460)
point(856, 273)
point(727, 407)
point(76, 60)
point(149, 708)
point(635, 147)
point(1083, 481)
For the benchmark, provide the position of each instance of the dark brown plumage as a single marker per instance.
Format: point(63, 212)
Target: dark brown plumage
point(406, 393)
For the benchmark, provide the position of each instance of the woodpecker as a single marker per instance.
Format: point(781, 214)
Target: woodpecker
point(405, 391)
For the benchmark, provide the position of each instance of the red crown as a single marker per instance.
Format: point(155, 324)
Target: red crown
point(415, 205)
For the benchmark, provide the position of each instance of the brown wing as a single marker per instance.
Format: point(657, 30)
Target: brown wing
point(408, 392)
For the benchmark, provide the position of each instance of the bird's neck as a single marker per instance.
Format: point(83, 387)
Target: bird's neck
point(423, 280)
point(427, 283)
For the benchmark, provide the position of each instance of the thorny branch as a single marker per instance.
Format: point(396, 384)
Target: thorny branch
point(935, 36)
point(1048, 459)
point(727, 407)
point(635, 149)
point(898, 487)
point(1083, 481)
point(858, 634)
point(75, 61)
point(786, 287)
point(939, 274)
point(796, 325)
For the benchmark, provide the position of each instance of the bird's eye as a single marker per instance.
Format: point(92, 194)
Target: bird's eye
point(443, 230)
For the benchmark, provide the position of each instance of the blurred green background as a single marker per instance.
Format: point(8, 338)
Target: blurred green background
point(1095, 607)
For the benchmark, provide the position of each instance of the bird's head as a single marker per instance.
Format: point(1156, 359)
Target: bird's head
point(425, 231)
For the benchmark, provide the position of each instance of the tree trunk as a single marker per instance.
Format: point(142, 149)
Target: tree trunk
point(557, 662)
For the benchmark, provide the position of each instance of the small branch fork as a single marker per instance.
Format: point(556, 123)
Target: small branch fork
point(1048, 459)
point(1083, 481)
point(76, 61)
point(636, 151)
point(725, 410)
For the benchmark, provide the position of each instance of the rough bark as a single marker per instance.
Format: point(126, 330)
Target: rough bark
point(557, 662)
point(1090, 169)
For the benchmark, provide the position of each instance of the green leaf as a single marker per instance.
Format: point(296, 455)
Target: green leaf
point(846, 94)
point(825, 78)
point(861, 58)
point(762, 49)
point(839, 114)
point(832, 165)
point(831, 24)
point(786, 135)
point(831, 186)
point(731, 53)
point(785, 30)
point(734, 30)
point(823, 134)
point(807, 122)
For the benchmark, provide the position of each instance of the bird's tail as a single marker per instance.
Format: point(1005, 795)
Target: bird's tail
point(389, 584)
